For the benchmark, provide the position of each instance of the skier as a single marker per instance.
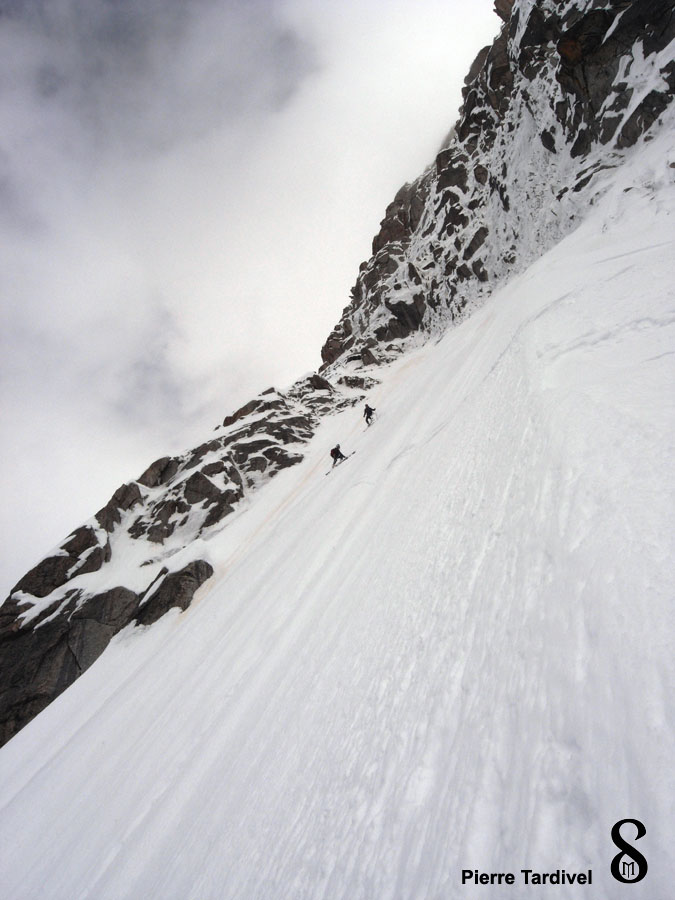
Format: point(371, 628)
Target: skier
point(337, 454)
point(368, 414)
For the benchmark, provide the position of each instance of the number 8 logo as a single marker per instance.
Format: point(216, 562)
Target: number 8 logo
point(624, 870)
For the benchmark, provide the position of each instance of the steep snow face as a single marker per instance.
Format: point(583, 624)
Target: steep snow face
point(557, 99)
point(454, 651)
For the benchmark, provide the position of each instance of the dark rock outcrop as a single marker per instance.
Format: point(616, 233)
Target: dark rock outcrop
point(176, 589)
point(39, 663)
point(124, 498)
point(160, 472)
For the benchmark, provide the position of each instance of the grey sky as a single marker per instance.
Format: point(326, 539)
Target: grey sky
point(186, 192)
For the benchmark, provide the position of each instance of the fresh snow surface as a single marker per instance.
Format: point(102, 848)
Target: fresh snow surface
point(455, 652)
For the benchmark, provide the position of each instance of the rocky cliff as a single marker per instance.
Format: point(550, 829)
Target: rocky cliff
point(568, 88)
point(563, 91)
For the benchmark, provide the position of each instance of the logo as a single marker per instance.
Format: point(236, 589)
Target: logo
point(633, 868)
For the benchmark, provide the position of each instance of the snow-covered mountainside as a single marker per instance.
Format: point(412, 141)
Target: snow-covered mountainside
point(455, 651)
point(565, 93)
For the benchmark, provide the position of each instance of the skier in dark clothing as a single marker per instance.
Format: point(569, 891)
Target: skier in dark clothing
point(368, 414)
point(337, 454)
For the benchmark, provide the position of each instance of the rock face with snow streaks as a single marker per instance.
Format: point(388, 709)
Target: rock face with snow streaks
point(565, 87)
point(564, 91)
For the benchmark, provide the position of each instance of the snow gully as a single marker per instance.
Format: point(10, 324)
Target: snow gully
point(529, 877)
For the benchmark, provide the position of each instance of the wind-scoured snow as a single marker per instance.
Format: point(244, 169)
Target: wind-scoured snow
point(455, 651)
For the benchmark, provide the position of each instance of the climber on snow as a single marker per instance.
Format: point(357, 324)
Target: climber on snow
point(337, 454)
point(368, 414)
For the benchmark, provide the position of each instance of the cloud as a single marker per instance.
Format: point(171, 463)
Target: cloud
point(144, 76)
point(186, 191)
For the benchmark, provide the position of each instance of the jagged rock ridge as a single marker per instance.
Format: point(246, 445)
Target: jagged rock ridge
point(563, 91)
point(566, 89)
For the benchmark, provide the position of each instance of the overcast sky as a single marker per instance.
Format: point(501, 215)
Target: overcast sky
point(187, 188)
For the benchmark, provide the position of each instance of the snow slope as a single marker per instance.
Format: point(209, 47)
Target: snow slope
point(455, 651)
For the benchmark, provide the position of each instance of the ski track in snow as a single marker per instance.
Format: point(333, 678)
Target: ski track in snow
point(455, 652)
